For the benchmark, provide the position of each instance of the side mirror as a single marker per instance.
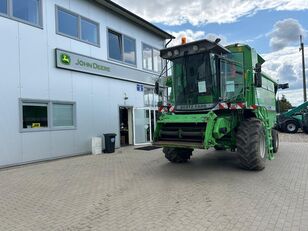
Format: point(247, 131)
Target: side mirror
point(283, 86)
point(258, 76)
point(156, 90)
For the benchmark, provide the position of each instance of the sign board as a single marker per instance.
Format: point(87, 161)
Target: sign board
point(72, 61)
point(81, 63)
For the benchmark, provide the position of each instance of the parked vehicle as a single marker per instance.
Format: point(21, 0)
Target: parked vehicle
point(222, 100)
point(294, 119)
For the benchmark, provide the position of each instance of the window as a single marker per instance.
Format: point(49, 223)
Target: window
point(129, 50)
point(47, 115)
point(28, 11)
point(115, 45)
point(147, 57)
point(63, 115)
point(121, 47)
point(151, 99)
point(89, 31)
point(35, 115)
point(77, 27)
point(3, 6)
point(67, 23)
point(151, 58)
point(157, 60)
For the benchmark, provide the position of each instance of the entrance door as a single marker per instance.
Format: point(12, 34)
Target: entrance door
point(142, 126)
point(126, 125)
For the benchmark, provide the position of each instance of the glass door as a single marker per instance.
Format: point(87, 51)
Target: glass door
point(142, 126)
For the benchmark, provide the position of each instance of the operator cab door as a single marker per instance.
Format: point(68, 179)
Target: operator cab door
point(143, 125)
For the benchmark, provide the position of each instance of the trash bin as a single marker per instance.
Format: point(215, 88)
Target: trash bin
point(109, 142)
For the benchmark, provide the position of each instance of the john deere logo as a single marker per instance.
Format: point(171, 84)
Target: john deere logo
point(65, 59)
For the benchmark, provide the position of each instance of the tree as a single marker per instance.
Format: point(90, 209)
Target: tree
point(283, 104)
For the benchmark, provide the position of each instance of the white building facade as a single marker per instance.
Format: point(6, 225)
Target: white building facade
point(72, 70)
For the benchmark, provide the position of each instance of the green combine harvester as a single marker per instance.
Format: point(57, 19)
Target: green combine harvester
point(220, 99)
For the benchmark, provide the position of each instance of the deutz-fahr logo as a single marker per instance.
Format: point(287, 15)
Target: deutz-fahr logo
point(65, 59)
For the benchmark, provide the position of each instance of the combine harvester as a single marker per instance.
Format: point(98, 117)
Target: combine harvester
point(221, 100)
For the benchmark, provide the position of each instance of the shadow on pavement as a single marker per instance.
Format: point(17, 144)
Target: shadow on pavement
point(203, 164)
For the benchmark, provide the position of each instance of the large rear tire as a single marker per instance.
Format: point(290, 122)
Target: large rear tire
point(275, 140)
point(251, 144)
point(177, 155)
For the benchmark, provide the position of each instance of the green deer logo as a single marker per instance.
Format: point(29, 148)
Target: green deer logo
point(65, 59)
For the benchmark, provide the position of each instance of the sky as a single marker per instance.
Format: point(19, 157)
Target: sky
point(272, 27)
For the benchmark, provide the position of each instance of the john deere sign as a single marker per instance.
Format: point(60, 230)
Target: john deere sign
point(81, 63)
point(76, 62)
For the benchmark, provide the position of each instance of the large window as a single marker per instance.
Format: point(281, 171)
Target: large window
point(77, 27)
point(151, 58)
point(121, 47)
point(28, 11)
point(47, 115)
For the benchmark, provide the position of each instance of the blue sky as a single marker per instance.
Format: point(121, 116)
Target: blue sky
point(272, 27)
point(252, 29)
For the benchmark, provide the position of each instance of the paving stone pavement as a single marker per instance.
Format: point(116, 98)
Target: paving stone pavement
point(141, 190)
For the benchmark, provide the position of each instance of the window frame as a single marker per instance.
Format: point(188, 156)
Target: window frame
point(152, 54)
point(49, 104)
point(122, 35)
point(9, 15)
point(79, 28)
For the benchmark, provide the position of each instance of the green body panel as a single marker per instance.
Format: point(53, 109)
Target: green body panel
point(219, 126)
point(222, 123)
point(296, 110)
point(298, 117)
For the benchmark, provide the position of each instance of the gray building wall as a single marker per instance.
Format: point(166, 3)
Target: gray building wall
point(28, 71)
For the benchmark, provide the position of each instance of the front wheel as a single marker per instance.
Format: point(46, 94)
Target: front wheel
point(291, 127)
point(251, 144)
point(177, 155)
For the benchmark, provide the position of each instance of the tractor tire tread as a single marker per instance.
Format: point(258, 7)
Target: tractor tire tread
point(248, 144)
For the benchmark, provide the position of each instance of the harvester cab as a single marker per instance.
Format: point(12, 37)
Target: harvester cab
point(220, 99)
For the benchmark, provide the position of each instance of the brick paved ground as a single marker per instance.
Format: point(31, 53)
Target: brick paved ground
point(140, 190)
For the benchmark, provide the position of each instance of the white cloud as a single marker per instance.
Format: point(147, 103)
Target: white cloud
point(285, 65)
point(285, 33)
point(211, 11)
point(295, 97)
point(195, 35)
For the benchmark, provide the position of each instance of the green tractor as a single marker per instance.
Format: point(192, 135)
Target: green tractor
point(220, 99)
point(294, 119)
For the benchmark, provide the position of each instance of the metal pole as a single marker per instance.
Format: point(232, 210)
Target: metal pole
point(304, 70)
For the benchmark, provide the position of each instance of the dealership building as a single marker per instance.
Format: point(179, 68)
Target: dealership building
point(72, 70)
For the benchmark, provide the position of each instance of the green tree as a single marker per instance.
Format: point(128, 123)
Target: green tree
point(283, 104)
